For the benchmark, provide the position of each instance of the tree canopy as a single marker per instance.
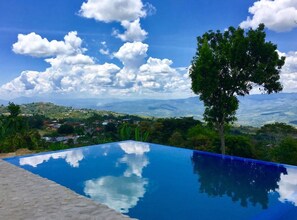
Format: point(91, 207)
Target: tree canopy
point(13, 109)
point(231, 64)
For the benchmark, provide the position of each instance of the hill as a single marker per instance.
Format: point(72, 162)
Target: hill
point(254, 110)
point(51, 110)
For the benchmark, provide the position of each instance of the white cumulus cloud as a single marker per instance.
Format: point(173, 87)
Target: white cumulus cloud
point(127, 12)
point(160, 76)
point(73, 73)
point(104, 50)
point(34, 45)
point(277, 15)
point(132, 54)
point(133, 32)
point(74, 78)
point(115, 10)
point(288, 74)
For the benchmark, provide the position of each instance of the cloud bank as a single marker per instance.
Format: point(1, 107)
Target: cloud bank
point(74, 73)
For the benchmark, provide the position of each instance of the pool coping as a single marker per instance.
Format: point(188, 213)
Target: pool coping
point(24, 195)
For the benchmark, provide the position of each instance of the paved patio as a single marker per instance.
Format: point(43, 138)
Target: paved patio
point(24, 195)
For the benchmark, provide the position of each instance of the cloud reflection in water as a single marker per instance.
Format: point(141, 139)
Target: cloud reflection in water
point(288, 186)
point(122, 192)
point(71, 157)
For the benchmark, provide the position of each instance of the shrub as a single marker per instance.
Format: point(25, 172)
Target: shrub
point(241, 146)
point(286, 151)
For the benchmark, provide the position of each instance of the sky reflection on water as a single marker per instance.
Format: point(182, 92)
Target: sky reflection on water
point(149, 181)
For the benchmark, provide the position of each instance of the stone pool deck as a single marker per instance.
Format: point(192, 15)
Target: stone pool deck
point(24, 195)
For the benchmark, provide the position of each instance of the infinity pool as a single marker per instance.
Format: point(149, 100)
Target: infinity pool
point(150, 181)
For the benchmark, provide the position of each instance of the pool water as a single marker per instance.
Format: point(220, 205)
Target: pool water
point(150, 181)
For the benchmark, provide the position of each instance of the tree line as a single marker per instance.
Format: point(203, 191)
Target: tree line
point(272, 142)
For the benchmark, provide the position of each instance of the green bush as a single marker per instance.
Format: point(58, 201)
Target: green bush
point(286, 151)
point(202, 138)
point(241, 146)
point(65, 129)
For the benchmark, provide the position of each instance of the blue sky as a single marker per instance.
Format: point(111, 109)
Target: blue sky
point(124, 48)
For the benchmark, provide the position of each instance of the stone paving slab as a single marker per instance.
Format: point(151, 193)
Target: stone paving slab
point(24, 195)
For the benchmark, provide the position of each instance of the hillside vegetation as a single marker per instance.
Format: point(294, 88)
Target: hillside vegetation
point(44, 127)
point(52, 111)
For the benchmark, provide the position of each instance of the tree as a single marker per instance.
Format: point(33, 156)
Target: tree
point(275, 132)
point(240, 145)
point(65, 129)
point(13, 109)
point(177, 139)
point(230, 64)
point(286, 151)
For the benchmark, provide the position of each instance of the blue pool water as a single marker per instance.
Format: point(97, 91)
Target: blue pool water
point(149, 181)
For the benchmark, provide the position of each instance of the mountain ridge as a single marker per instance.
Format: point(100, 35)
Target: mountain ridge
point(254, 110)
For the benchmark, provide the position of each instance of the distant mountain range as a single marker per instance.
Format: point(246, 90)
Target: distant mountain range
point(254, 110)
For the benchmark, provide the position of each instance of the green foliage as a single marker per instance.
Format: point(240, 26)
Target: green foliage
point(111, 127)
point(126, 133)
point(79, 130)
point(15, 132)
point(13, 109)
point(162, 129)
point(52, 111)
point(66, 129)
point(274, 133)
point(57, 146)
point(36, 121)
point(241, 146)
point(286, 151)
point(273, 142)
point(229, 64)
point(203, 138)
point(29, 139)
point(177, 139)
point(158, 133)
point(140, 136)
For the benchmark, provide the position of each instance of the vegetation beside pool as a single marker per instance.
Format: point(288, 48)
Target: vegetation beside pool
point(275, 142)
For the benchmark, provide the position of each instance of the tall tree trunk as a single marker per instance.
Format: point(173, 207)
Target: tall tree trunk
point(222, 137)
